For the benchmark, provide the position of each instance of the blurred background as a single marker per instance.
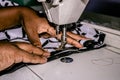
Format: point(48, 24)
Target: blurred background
point(107, 7)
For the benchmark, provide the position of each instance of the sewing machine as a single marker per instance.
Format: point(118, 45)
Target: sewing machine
point(63, 12)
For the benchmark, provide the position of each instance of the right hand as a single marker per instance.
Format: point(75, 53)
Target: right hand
point(16, 52)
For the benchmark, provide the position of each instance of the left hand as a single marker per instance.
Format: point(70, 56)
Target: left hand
point(20, 52)
point(40, 26)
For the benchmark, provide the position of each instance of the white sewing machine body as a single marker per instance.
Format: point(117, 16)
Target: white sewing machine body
point(62, 12)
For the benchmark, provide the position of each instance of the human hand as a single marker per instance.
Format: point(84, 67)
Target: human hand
point(40, 28)
point(46, 30)
point(73, 39)
point(16, 52)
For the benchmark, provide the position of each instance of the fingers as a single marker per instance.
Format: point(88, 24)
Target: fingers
point(32, 49)
point(75, 36)
point(37, 44)
point(51, 31)
point(45, 54)
point(71, 40)
point(32, 34)
point(29, 58)
point(45, 27)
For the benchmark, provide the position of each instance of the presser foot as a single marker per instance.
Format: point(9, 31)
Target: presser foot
point(61, 47)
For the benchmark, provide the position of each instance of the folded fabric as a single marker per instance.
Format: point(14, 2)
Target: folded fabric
point(97, 37)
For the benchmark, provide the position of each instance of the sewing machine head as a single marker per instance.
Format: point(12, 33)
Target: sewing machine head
point(63, 12)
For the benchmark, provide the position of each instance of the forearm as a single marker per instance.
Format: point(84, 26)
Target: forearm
point(9, 17)
point(12, 16)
